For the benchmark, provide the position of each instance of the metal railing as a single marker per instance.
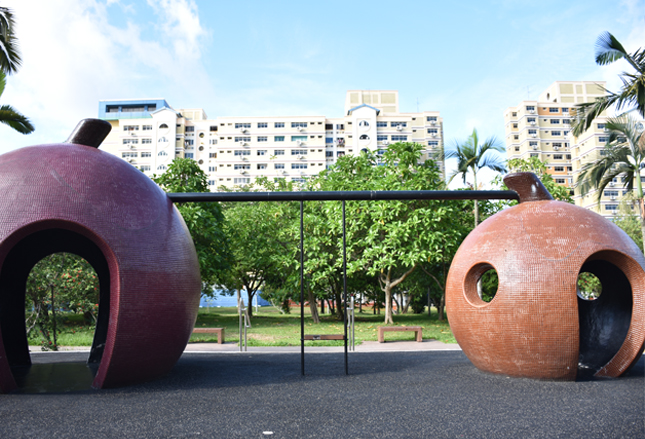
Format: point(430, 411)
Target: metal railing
point(332, 196)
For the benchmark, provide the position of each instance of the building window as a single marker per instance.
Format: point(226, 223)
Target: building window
point(190, 142)
point(530, 119)
point(262, 151)
point(278, 125)
point(279, 152)
point(211, 182)
point(298, 138)
point(602, 139)
point(381, 124)
point(298, 124)
point(242, 152)
point(558, 168)
point(241, 125)
point(238, 166)
point(555, 121)
point(340, 153)
point(340, 126)
point(212, 155)
point(262, 165)
point(381, 137)
point(146, 141)
point(396, 138)
point(364, 137)
point(535, 154)
point(146, 154)
point(263, 139)
point(130, 127)
point(190, 129)
point(611, 207)
point(431, 118)
point(212, 128)
point(298, 152)
point(130, 141)
point(432, 131)
point(557, 144)
point(299, 180)
point(610, 193)
point(126, 155)
point(189, 155)
point(601, 126)
point(162, 153)
point(517, 148)
point(278, 165)
point(363, 123)
point(532, 132)
point(212, 168)
point(533, 144)
point(147, 127)
point(433, 143)
point(161, 168)
point(530, 108)
point(401, 124)
point(557, 156)
point(278, 138)
point(263, 125)
point(244, 180)
point(298, 166)
point(556, 133)
point(243, 139)
point(145, 168)
point(329, 153)
point(329, 140)
point(553, 110)
point(560, 180)
point(163, 140)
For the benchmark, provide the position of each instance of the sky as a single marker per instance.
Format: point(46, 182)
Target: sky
point(469, 60)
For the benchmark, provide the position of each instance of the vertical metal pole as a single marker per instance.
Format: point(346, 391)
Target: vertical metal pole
point(345, 286)
point(54, 318)
point(302, 292)
point(239, 312)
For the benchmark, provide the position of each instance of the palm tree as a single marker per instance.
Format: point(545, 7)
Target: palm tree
point(631, 96)
point(471, 157)
point(9, 54)
point(9, 116)
point(623, 156)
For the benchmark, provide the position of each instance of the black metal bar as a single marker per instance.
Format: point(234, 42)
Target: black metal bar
point(302, 291)
point(180, 197)
point(345, 286)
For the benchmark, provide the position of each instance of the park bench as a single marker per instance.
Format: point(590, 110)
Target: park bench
point(218, 331)
point(382, 329)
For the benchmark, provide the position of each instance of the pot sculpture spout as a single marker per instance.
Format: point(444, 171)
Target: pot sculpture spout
point(537, 325)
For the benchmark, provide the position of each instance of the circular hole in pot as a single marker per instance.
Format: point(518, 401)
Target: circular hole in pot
point(487, 285)
point(589, 286)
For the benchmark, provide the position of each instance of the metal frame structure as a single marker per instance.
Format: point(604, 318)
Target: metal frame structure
point(335, 196)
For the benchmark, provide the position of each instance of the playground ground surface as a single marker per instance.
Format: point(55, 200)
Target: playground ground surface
point(394, 390)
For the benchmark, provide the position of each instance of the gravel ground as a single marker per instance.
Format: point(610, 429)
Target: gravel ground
point(263, 395)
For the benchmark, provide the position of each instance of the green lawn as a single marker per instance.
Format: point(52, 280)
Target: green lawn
point(271, 328)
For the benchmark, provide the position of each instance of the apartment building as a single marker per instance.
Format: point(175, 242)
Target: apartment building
point(233, 151)
point(541, 128)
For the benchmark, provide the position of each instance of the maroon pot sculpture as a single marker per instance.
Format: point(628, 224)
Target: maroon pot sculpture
point(536, 325)
point(74, 198)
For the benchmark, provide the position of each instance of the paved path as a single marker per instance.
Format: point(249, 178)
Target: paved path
point(436, 393)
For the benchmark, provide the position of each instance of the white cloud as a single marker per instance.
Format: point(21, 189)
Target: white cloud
point(73, 56)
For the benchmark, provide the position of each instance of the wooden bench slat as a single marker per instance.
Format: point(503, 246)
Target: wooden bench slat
point(382, 329)
point(218, 331)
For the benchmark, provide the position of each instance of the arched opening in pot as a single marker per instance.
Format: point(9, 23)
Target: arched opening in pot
point(604, 311)
point(14, 274)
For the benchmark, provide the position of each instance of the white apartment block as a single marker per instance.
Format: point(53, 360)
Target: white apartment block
point(541, 129)
point(233, 151)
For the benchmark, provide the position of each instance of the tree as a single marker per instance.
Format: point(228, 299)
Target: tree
point(9, 54)
point(59, 281)
point(623, 157)
point(472, 156)
point(9, 116)
point(205, 221)
point(632, 93)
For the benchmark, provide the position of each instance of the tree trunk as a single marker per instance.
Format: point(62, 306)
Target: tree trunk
point(322, 306)
point(441, 306)
point(387, 284)
point(313, 308)
point(330, 305)
point(339, 307)
point(398, 307)
point(388, 304)
point(249, 304)
point(407, 303)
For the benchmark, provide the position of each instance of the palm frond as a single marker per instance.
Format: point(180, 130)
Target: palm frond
point(15, 120)
point(609, 49)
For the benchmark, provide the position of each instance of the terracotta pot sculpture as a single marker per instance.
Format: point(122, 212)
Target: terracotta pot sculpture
point(536, 325)
point(72, 197)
